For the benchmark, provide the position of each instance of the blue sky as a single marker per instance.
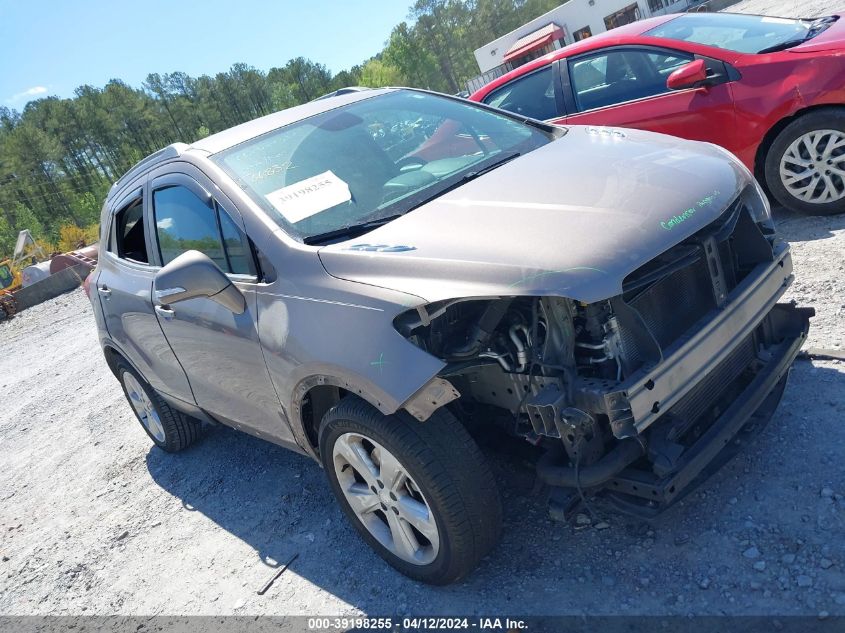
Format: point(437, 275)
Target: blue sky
point(50, 47)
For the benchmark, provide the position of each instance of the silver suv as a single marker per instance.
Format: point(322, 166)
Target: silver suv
point(362, 278)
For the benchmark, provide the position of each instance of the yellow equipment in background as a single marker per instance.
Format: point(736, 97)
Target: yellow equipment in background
point(27, 252)
point(10, 279)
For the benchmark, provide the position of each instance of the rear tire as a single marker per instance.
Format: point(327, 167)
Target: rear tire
point(805, 165)
point(425, 499)
point(169, 429)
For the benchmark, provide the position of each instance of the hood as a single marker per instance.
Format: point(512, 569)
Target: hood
point(832, 38)
point(571, 218)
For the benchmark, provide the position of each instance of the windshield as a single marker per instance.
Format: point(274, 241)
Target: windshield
point(740, 33)
point(373, 159)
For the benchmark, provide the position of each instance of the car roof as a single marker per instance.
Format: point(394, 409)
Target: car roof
point(619, 35)
point(251, 129)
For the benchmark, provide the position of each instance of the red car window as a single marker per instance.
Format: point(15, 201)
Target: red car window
point(617, 76)
point(530, 95)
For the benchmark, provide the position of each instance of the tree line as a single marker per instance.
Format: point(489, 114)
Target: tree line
point(59, 157)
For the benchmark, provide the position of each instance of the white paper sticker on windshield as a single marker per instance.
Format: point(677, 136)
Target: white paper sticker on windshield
point(310, 196)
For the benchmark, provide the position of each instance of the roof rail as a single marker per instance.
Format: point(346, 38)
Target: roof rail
point(173, 150)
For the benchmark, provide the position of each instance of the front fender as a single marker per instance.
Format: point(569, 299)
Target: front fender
point(340, 334)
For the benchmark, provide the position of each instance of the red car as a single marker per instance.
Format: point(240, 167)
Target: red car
point(770, 90)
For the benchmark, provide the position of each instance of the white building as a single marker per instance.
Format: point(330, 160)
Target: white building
point(568, 23)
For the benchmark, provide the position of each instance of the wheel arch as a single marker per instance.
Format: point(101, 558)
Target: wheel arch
point(316, 394)
point(114, 356)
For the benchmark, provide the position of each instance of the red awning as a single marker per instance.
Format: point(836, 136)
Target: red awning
point(535, 40)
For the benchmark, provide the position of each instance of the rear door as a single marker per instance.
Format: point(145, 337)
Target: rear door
point(218, 349)
point(124, 287)
point(626, 86)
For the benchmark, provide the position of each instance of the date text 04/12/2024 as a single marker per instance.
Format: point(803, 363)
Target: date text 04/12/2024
point(416, 624)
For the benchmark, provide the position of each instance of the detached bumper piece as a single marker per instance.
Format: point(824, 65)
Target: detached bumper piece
point(643, 475)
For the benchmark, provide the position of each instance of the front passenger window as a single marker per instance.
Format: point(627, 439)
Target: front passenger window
point(185, 222)
point(623, 75)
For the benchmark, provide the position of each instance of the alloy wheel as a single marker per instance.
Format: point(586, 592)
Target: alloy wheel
point(143, 407)
point(813, 167)
point(385, 498)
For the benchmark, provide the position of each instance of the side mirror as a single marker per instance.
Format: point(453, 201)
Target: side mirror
point(687, 75)
point(193, 275)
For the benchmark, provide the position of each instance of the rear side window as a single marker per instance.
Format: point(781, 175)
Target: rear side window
point(532, 96)
point(129, 240)
point(185, 222)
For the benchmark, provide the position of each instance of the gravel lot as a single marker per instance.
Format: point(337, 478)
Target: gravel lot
point(93, 520)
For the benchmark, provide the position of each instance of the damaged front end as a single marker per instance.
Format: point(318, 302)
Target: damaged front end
point(636, 396)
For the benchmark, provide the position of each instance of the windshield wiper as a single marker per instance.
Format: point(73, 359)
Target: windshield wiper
point(815, 28)
point(353, 230)
point(465, 178)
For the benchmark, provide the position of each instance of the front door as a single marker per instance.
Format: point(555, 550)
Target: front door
point(218, 349)
point(626, 87)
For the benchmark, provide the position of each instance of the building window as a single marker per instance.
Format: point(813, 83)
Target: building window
point(582, 34)
point(657, 5)
point(629, 14)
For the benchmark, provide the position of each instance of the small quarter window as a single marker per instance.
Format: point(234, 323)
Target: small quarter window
point(236, 244)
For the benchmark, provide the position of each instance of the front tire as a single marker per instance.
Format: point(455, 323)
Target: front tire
point(805, 165)
point(169, 429)
point(419, 493)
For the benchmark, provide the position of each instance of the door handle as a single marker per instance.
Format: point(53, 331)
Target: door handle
point(165, 313)
point(103, 290)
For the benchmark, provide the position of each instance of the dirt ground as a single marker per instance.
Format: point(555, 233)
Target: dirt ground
point(94, 520)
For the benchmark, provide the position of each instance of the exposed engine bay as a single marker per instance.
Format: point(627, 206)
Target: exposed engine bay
point(638, 394)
